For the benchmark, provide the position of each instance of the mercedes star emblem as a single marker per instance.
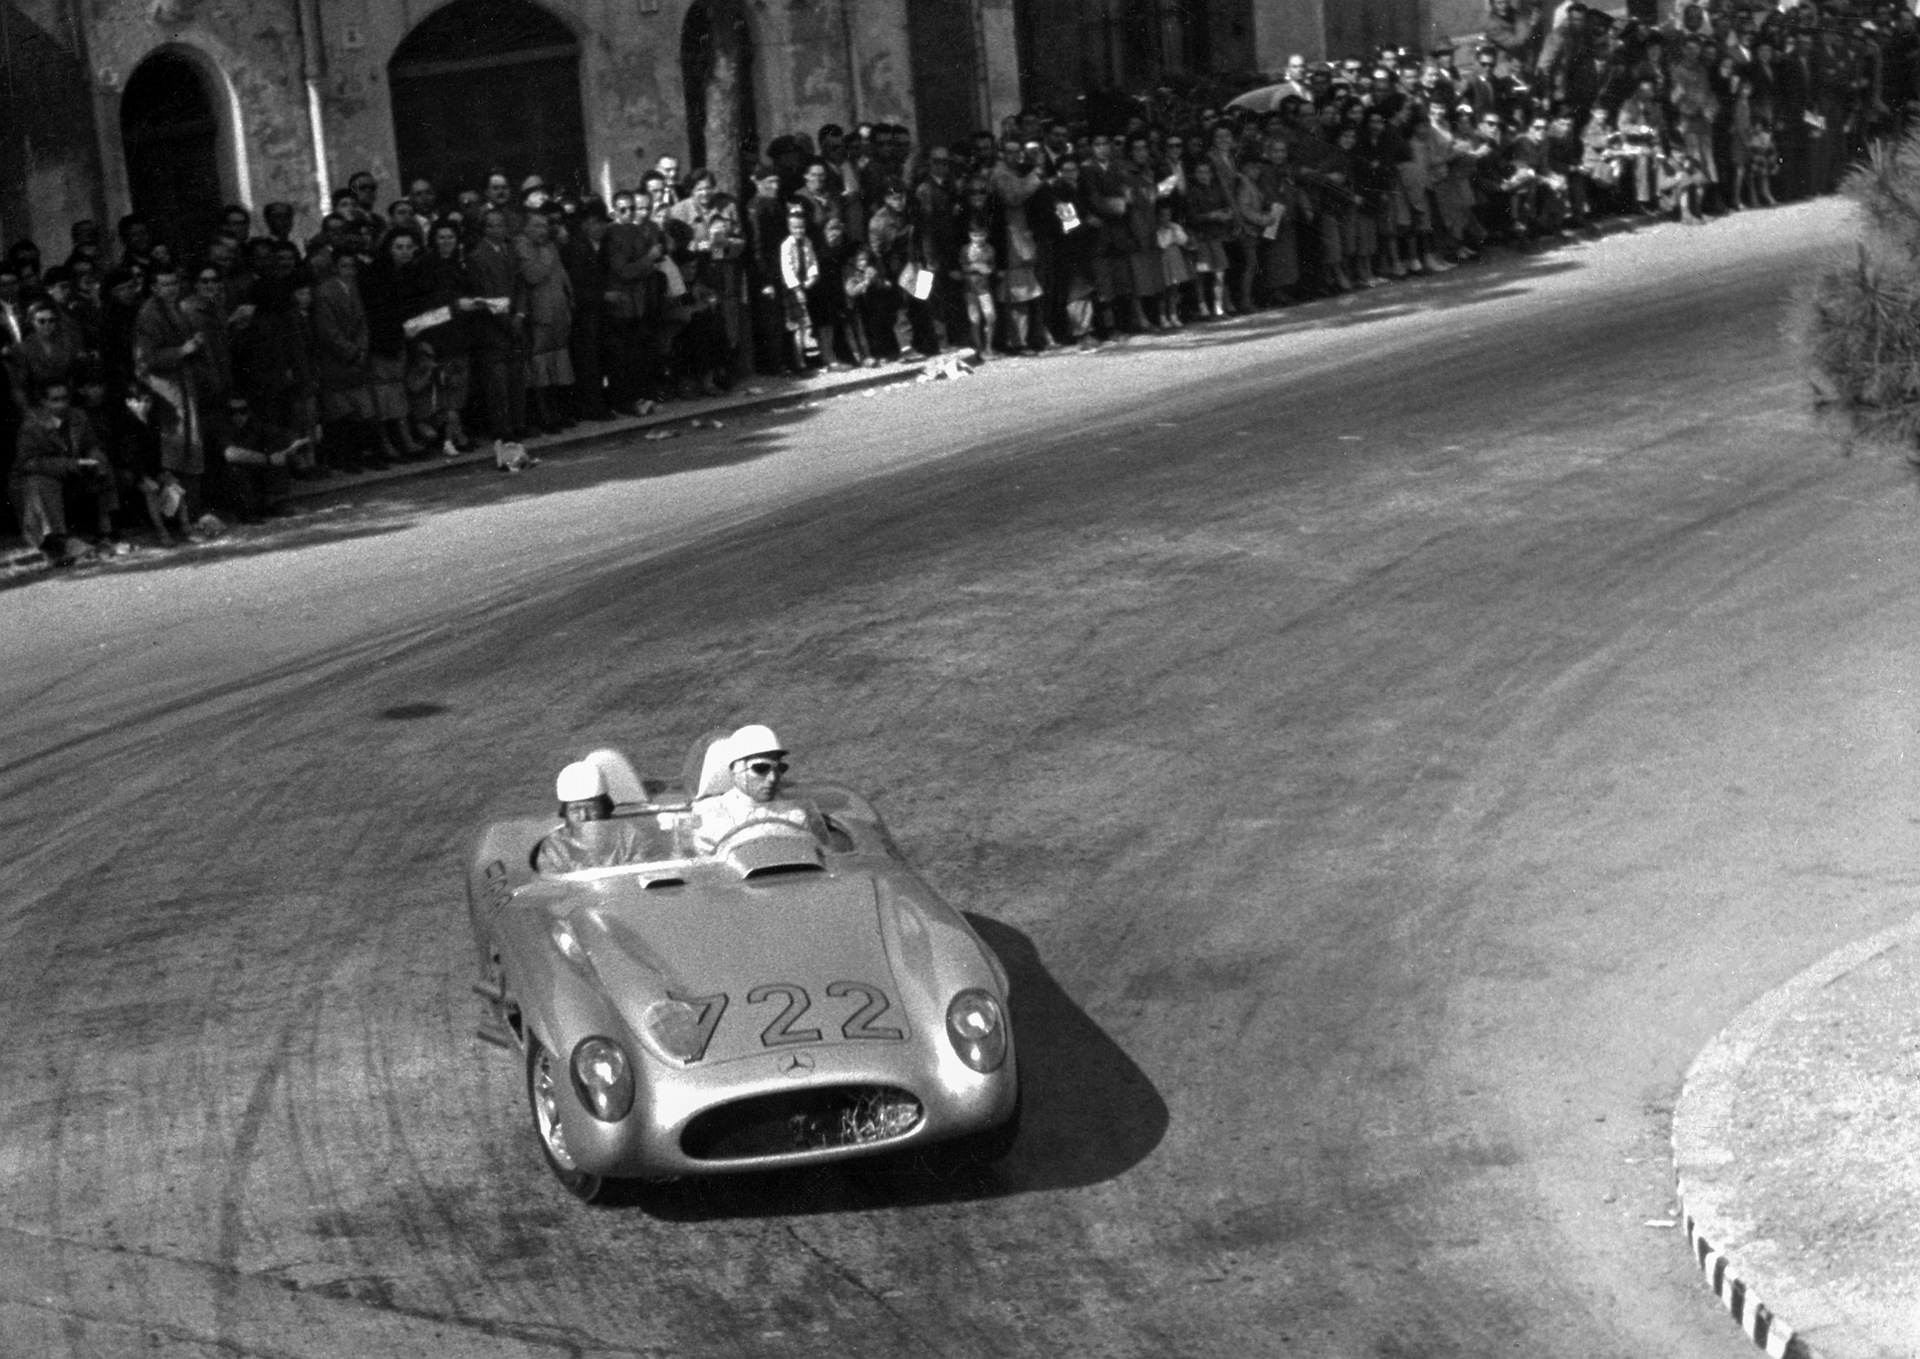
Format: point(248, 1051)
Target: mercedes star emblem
point(797, 1066)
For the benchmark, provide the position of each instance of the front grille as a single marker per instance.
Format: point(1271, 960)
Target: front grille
point(801, 1120)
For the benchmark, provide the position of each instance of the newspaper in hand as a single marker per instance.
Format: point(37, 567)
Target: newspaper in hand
point(426, 320)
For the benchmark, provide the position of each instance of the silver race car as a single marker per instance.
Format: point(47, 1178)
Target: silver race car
point(797, 994)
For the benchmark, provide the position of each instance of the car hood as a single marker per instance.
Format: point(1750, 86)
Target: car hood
point(699, 941)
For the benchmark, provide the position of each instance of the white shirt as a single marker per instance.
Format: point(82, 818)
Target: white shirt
point(717, 817)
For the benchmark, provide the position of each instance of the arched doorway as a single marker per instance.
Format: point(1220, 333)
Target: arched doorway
point(171, 135)
point(716, 71)
point(482, 83)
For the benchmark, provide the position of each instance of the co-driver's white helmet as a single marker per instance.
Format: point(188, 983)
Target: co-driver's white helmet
point(580, 782)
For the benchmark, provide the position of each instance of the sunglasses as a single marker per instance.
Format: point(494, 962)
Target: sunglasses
point(765, 768)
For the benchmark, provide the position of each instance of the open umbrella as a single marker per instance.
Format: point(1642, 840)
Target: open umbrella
point(1265, 99)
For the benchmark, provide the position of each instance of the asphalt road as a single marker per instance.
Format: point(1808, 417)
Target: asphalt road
point(1386, 742)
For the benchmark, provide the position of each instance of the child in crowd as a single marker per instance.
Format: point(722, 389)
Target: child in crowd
point(799, 277)
point(1566, 157)
point(428, 409)
point(1175, 268)
point(1682, 180)
point(1752, 142)
point(831, 309)
point(861, 282)
point(977, 265)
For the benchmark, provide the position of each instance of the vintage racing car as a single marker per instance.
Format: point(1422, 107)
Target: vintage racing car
point(797, 995)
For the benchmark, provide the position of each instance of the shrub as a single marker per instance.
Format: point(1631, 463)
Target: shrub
point(1859, 320)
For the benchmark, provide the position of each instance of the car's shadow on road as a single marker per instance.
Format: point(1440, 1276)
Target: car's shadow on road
point(1089, 1115)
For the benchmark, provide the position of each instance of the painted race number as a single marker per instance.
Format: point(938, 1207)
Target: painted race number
point(781, 1032)
point(861, 1024)
point(710, 1009)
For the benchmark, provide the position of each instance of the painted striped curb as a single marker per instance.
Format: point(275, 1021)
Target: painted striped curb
point(1753, 1316)
point(1712, 1206)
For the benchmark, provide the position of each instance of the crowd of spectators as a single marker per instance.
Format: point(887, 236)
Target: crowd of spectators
point(154, 381)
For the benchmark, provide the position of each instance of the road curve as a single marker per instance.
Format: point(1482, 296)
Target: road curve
point(1385, 743)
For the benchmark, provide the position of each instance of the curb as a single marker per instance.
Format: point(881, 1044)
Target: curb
point(1749, 1313)
point(586, 434)
point(1717, 1235)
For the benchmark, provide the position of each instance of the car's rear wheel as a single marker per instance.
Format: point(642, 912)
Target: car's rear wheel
point(546, 1087)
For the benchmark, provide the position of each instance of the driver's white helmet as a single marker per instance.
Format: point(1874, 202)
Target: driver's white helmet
point(753, 740)
point(580, 782)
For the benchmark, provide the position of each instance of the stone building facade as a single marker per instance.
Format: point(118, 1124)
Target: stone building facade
point(172, 107)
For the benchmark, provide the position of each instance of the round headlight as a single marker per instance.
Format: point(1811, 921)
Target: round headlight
point(603, 1078)
point(978, 1030)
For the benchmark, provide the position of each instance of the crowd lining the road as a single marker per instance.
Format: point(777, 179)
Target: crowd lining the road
point(152, 382)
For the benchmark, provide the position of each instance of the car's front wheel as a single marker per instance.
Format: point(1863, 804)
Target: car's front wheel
point(546, 1087)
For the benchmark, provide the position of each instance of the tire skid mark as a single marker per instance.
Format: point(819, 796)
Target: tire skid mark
point(152, 1292)
point(246, 1146)
point(848, 1275)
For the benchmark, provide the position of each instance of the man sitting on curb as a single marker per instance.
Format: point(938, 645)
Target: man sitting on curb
point(58, 452)
point(259, 458)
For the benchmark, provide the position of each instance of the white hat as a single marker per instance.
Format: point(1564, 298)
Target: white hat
point(580, 782)
point(753, 740)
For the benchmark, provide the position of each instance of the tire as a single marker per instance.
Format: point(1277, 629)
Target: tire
point(547, 1084)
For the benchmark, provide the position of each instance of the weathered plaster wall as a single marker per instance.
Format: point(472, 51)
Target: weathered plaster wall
point(1231, 38)
point(884, 59)
point(1284, 27)
point(999, 45)
point(248, 53)
point(633, 100)
point(815, 61)
point(48, 162)
point(1460, 20)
